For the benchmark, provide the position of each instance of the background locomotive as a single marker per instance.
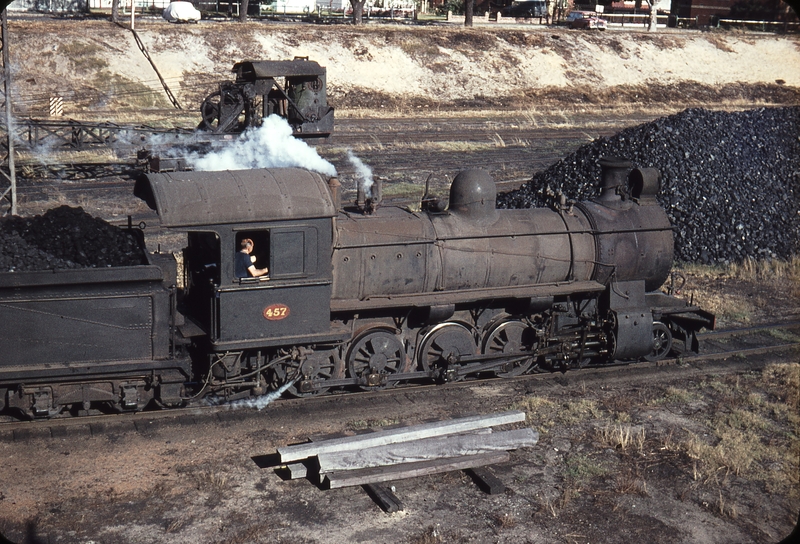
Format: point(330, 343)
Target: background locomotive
point(357, 297)
point(295, 90)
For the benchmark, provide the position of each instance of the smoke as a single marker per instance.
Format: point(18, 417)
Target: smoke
point(271, 145)
point(363, 173)
point(262, 401)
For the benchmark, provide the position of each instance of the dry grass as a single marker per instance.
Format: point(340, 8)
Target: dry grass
point(628, 481)
point(753, 431)
point(502, 520)
point(362, 424)
point(435, 534)
point(546, 115)
point(676, 395)
point(622, 437)
point(211, 481)
point(419, 48)
point(554, 504)
point(756, 270)
point(748, 270)
point(754, 283)
point(574, 412)
point(784, 381)
point(539, 410)
point(581, 468)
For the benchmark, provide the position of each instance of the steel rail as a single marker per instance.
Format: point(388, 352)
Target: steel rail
point(21, 430)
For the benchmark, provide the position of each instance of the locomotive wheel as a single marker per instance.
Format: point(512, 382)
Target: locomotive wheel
point(373, 356)
point(662, 342)
point(510, 337)
point(444, 345)
point(221, 112)
point(322, 365)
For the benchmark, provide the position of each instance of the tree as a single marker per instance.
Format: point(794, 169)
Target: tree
point(115, 11)
point(358, 11)
point(243, 10)
point(651, 25)
point(469, 9)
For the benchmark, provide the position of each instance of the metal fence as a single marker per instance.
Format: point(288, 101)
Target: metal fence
point(633, 19)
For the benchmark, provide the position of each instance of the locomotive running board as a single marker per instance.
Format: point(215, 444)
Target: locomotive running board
point(466, 295)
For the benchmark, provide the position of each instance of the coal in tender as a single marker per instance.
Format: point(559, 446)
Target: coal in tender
point(65, 237)
point(730, 180)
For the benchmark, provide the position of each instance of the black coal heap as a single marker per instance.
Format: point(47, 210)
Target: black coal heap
point(65, 237)
point(730, 181)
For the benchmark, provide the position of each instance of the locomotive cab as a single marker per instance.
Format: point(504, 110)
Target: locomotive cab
point(292, 235)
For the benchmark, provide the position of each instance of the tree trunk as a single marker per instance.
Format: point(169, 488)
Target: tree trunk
point(243, 10)
point(651, 23)
point(358, 11)
point(469, 9)
point(115, 11)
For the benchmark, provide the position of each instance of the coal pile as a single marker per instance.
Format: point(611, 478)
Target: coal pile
point(65, 237)
point(730, 181)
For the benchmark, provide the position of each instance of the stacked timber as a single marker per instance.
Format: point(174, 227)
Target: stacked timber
point(407, 452)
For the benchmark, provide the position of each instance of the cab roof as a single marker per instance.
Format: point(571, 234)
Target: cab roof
point(184, 199)
point(261, 69)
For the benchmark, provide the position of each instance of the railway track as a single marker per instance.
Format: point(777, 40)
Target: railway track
point(726, 351)
point(399, 157)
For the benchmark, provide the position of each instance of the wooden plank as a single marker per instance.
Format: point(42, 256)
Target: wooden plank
point(393, 436)
point(301, 469)
point(384, 498)
point(297, 470)
point(438, 447)
point(309, 467)
point(487, 481)
point(411, 470)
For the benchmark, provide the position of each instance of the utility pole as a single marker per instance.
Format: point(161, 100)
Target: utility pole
point(8, 177)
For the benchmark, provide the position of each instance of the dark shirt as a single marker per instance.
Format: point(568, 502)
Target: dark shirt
point(242, 263)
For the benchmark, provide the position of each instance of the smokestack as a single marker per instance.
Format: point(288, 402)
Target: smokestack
point(368, 198)
point(336, 193)
point(614, 173)
point(377, 187)
point(361, 196)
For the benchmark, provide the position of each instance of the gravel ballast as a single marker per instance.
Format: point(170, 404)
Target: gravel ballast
point(729, 180)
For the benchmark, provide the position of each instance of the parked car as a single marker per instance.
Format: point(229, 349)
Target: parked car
point(586, 19)
point(181, 12)
point(532, 8)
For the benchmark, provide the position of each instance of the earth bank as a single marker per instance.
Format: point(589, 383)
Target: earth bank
point(705, 458)
point(99, 71)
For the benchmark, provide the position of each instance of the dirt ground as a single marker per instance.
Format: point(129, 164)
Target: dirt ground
point(709, 456)
point(684, 454)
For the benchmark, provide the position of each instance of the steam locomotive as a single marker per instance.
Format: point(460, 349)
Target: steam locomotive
point(362, 296)
point(257, 93)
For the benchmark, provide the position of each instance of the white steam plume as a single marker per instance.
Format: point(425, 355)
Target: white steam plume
point(363, 173)
point(263, 401)
point(269, 146)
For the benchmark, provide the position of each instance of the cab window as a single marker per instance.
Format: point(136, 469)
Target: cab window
point(259, 256)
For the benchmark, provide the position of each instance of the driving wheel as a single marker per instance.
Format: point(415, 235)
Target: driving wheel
point(375, 355)
point(444, 346)
point(318, 365)
point(509, 338)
